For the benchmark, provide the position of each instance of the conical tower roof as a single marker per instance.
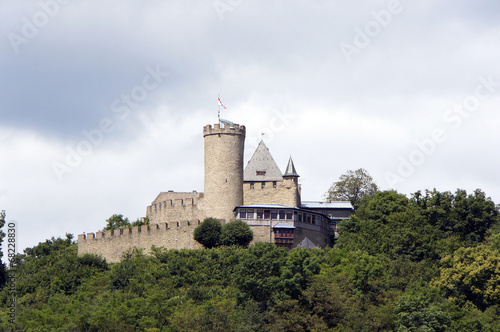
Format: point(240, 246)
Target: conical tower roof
point(290, 169)
point(262, 166)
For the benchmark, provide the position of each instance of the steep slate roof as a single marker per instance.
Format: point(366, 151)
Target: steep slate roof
point(262, 161)
point(290, 169)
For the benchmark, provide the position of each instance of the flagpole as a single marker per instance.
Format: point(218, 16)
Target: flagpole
point(218, 103)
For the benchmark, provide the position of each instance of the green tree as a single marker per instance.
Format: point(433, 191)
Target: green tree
point(386, 223)
point(467, 216)
point(258, 275)
point(236, 233)
point(352, 187)
point(209, 233)
point(117, 221)
point(55, 267)
point(471, 275)
point(421, 308)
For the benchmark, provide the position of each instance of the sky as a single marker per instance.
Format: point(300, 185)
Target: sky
point(102, 104)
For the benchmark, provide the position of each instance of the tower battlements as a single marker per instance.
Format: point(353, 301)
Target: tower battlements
point(235, 129)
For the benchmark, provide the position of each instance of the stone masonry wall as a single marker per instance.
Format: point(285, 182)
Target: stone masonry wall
point(169, 206)
point(285, 193)
point(113, 243)
point(261, 233)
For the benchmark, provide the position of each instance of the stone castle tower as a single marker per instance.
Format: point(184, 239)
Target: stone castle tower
point(224, 148)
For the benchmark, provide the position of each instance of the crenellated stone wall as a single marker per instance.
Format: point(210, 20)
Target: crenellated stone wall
point(171, 205)
point(112, 244)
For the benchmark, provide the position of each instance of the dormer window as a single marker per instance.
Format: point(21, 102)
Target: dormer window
point(262, 173)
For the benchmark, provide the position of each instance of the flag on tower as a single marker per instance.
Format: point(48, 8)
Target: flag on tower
point(221, 104)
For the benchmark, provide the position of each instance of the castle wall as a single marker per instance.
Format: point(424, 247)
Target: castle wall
point(171, 205)
point(113, 243)
point(285, 193)
point(223, 169)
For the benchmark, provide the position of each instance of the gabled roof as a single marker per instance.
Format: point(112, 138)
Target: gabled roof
point(262, 163)
point(290, 169)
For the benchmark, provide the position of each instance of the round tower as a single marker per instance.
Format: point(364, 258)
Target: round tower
point(223, 169)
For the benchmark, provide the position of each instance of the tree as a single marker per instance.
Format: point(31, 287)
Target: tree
point(208, 233)
point(421, 308)
point(386, 223)
point(471, 275)
point(352, 187)
point(211, 233)
point(236, 233)
point(468, 216)
point(117, 221)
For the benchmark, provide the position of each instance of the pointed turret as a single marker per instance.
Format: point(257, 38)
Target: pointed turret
point(291, 179)
point(290, 169)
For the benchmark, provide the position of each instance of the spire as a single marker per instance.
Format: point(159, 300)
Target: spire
point(290, 169)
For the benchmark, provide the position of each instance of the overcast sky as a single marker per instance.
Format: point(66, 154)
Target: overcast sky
point(102, 104)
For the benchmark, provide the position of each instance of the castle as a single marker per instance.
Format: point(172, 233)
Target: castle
point(260, 194)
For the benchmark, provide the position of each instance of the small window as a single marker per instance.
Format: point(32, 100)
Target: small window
point(267, 214)
point(249, 214)
point(263, 185)
point(300, 217)
point(260, 214)
point(251, 185)
point(274, 214)
point(289, 215)
point(243, 214)
point(261, 173)
point(282, 214)
point(274, 184)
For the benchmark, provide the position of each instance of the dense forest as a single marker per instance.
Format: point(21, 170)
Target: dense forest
point(429, 262)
